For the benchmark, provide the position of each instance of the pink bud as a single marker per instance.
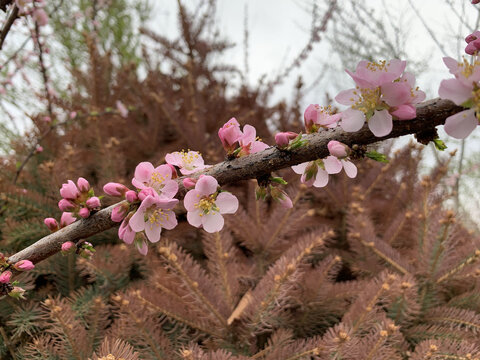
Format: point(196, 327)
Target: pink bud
point(67, 219)
point(24, 265)
point(93, 202)
point(51, 223)
point(40, 16)
point(83, 185)
point(405, 112)
point(282, 197)
point(73, 115)
point(115, 189)
point(174, 171)
point(69, 190)
point(475, 2)
point(471, 49)
point(84, 213)
point(5, 277)
point(337, 149)
point(229, 134)
point(283, 138)
point(131, 196)
point(68, 246)
point(119, 212)
point(38, 149)
point(66, 205)
point(310, 115)
point(146, 192)
point(17, 293)
point(189, 183)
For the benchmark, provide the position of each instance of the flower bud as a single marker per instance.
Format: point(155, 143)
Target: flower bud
point(84, 212)
point(17, 292)
point(73, 115)
point(68, 247)
point(86, 250)
point(189, 183)
point(122, 110)
point(310, 116)
point(40, 17)
point(260, 193)
point(131, 196)
point(281, 196)
point(229, 134)
point(337, 149)
point(69, 190)
point(83, 185)
point(93, 202)
point(51, 223)
point(283, 138)
point(115, 189)
point(24, 265)
point(38, 149)
point(67, 219)
point(119, 212)
point(66, 205)
point(5, 277)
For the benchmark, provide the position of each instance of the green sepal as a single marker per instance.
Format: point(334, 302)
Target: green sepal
point(439, 144)
point(278, 180)
point(376, 156)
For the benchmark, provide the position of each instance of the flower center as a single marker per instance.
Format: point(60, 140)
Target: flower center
point(380, 66)
point(189, 157)
point(368, 99)
point(207, 205)
point(156, 216)
point(157, 178)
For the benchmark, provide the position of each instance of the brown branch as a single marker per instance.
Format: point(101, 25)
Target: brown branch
point(429, 115)
point(8, 24)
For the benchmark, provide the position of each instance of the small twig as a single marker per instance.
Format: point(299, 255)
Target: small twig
point(8, 24)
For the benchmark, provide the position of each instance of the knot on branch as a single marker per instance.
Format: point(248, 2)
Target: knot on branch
point(427, 135)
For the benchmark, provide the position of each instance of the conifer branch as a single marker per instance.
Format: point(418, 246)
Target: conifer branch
point(429, 115)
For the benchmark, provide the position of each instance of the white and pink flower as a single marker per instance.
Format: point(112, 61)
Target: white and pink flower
point(154, 214)
point(249, 142)
point(317, 117)
point(205, 205)
point(313, 173)
point(159, 179)
point(188, 162)
point(229, 134)
point(338, 160)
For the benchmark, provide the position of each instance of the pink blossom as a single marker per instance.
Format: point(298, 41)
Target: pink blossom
point(122, 110)
point(188, 162)
point(159, 179)
point(189, 183)
point(205, 205)
point(146, 192)
point(115, 189)
point(282, 197)
point(317, 117)
point(93, 202)
point(84, 212)
point(141, 244)
point(66, 205)
point(47, 119)
point(68, 246)
point(462, 91)
point(119, 212)
point(69, 190)
point(337, 149)
point(83, 185)
point(125, 232)
point(40, 17)
point(24, 265)
point(282, 139)
point(249, 142)
point(73, 115)
point(336, 161)
point(66, 219)
point(51, 223)
point(38, 149)
point(5, 277)
point(154, 214)
point(312, 172)
point(229, 134)
point(131, 196)
point(380, 93)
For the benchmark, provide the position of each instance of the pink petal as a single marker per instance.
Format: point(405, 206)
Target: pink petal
point(462, 124)
point(360, 78)
point(332, 165)
point(174, 158)
point(206, 185)
point(453, 89)
point(137, 222)
point(408, 78)
point(164, 171)
point(129, 236)
point(352, 120)
point(350, 168)
point(212, 222)
point(190, 199)
point(249, 135)
point(380, 124)
point(153, 230)
point(452, 64)
point(321, 180)
point(405, 112)
point(169, 189)
point(194, 218)
point(258, 146)
point(300, 168)
point(169, 221)
point(347, 97)
point(227, 203)
point(164, 203)
point(142, 247)
point(143, 172)
point(396, 93)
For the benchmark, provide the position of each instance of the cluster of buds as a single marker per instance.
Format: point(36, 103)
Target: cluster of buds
point(6, 285)
point(273, 190)
point(473, 43)
point(78, 199)
point(237, 142)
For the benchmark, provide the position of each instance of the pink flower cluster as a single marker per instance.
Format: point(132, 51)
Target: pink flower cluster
point(231, 137)
point(383, 92)
point(78, 199)
point(37, 12)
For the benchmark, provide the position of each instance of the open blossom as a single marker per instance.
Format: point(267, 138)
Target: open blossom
point(154, 214)
point(188, 162)
point(159, 179)
point(229, 134)
point(317, 117)
point(125, 232)
point(462, 90)
point(313, 173)
point(205, 205)
point(283, 138)
point(381, 91)
point(337, 160)
point(249, 142)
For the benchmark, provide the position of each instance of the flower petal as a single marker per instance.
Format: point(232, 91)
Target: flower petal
point(405, 112)
point(227, 203)
point(453, 89)
point(350, 168)
point(169, 220)
point(169, 189)
point(300, 168)
point(321, 180)
point(462, 124)
point(137, 222)
point(206, 185)
point(194, 218)
point(212, 222)
point(258, 146)
point(174, 158)
point(347, 97)
point(352, 120)
point(190, 199)
point(396, 93)
point(381, 124)
point(143, 171)
point(153, 230)
point(332, 165)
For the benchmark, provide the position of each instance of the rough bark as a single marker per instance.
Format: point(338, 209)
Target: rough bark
point(429, 115)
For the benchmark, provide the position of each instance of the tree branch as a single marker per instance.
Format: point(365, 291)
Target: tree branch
point(429, 114)
point(8, 24)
